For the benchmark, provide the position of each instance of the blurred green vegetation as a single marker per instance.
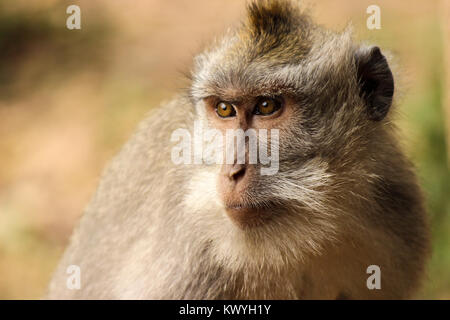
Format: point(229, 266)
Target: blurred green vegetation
point(431, 158)
point(70, 98)
point(34, 32)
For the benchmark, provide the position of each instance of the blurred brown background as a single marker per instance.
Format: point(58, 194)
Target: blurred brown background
point(70, 98)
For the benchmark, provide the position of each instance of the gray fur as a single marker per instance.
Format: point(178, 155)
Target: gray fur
point(345, 195)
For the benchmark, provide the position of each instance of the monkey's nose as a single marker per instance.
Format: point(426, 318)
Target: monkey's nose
point(237, 171)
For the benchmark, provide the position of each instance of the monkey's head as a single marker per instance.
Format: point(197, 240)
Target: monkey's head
point(327, 96)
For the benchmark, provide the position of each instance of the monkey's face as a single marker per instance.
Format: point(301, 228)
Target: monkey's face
point(325, 96)
point(239, 183)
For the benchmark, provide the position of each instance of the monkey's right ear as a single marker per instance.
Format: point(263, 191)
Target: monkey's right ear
point(375, 81)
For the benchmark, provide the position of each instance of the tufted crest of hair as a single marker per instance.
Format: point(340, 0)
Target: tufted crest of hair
point(270, 17)
point(273, 25)
point(274, 33)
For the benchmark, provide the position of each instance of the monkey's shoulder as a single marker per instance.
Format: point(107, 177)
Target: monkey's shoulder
point(142, 170)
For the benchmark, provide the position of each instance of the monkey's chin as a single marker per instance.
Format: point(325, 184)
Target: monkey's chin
point(248, 216)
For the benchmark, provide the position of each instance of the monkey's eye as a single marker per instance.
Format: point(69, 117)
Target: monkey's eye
point(267, 106)
point(225, 109)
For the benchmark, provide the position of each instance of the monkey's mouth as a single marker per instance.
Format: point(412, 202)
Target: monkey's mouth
point(249, 214)
point(240, 206)
point(247, 205)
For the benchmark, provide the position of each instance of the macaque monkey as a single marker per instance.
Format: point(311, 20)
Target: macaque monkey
point(343, 196)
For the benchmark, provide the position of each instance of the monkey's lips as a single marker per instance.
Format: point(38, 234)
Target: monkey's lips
point(248, 214)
